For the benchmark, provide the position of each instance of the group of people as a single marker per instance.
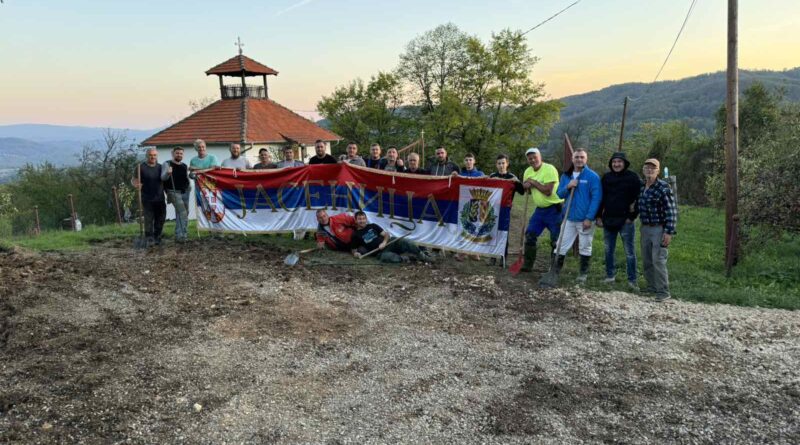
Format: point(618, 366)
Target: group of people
point(613, 203)
point(579, 198)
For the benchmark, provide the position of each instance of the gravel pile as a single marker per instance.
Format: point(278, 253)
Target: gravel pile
point(95, 350)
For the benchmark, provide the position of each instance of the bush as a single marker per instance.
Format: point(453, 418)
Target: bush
point(90, 183)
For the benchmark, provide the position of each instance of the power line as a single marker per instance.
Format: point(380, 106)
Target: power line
point(666, 59)
point(551, 17)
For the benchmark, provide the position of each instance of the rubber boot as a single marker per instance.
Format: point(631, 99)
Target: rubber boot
point(583, 274)
point(552, 250)
point(530, 258)
point(559, 263)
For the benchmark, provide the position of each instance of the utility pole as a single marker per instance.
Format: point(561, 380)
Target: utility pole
point(732, 142)
point(622, 127)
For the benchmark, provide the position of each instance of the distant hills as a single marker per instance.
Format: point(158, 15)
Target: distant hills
point(693, 100)
point(36, 143)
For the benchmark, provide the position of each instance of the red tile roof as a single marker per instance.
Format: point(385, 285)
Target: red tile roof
point(242, 120)
point(235, 65)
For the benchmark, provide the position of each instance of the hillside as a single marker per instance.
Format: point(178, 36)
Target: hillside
point(16, 152)
point(693, 99)
point(58, 144)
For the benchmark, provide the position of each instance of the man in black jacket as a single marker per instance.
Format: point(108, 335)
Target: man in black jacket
point(175, 176)
point(147, 177)
point(621, 188)
point(322, 156)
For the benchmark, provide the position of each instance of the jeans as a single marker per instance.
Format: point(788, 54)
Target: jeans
point(627, 232)
point(181, 203)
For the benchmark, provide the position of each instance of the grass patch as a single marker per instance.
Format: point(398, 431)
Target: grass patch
point(767, 276)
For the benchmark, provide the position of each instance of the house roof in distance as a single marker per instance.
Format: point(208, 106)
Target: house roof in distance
point(248, 120)
point(236, 64)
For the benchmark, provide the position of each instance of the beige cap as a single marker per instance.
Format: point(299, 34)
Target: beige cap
point(653, 161)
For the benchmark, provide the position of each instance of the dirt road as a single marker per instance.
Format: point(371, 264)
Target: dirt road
point(107, 347)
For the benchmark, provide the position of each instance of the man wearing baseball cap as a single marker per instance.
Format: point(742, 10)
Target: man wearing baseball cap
point(541, 180)
point(658, 214)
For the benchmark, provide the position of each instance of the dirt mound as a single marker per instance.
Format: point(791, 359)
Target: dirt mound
point(112, 345)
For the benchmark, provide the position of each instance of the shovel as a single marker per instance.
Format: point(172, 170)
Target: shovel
point(294, 257)
point(550, 279)
point(377, 249)
point(514, 268)
point(140, 242)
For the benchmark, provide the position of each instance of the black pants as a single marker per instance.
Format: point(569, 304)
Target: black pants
point(155, 212)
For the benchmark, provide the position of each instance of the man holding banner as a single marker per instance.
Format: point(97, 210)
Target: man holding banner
point(466, 215)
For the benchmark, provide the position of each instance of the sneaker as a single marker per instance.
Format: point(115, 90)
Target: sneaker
point(610, 280)
point(662, 297)
point(581, 279)
point(632, 286)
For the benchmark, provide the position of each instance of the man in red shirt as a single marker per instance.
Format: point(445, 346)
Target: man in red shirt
point(335, 232)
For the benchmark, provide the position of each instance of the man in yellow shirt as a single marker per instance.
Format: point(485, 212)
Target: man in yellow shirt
point(541, 179)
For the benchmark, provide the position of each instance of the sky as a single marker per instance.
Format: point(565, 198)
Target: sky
point(137, 64)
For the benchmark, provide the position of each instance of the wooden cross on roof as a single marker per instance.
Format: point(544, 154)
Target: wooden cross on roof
point(239, 44)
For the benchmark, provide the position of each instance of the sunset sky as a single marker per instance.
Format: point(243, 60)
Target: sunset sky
point(137, 64)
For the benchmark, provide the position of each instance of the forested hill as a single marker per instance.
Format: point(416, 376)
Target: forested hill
point(693, 99)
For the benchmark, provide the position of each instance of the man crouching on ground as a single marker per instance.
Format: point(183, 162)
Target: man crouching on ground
point(369, 237)
point(335, 232)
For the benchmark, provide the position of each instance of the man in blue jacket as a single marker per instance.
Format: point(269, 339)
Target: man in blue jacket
point(583, 211)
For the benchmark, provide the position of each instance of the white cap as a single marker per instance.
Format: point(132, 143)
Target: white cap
point(532, 150)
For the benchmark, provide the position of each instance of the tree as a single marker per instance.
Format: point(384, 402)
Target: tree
point(432, 63)
point(102, 167)
point(370, 112)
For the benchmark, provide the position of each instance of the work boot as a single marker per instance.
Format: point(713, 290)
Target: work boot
point(583, 274)
point(530, 258)
point(552, 250)
point(559, 263)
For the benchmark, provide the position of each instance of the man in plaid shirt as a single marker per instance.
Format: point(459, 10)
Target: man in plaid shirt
point(658, 214)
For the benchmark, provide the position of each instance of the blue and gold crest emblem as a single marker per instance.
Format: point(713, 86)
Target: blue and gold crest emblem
point(477, 217)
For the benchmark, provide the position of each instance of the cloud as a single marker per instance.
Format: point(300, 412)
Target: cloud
point(294, 6)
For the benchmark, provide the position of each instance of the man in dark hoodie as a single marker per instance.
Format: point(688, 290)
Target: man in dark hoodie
point(621, 188)
point(441, 165)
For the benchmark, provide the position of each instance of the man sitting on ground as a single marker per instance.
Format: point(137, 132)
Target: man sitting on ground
point(334, 232)
point(322, 157)
point(369, 237)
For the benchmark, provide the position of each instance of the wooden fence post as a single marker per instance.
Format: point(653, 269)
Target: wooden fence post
point(38, 229)
point(116, 204)
point(673, 184)
point(72, 211)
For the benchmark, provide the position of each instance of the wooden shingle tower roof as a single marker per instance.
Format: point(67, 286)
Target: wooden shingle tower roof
point(244, 114)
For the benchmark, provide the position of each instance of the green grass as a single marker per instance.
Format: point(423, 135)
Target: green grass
point(767, 276)
point(53, 240)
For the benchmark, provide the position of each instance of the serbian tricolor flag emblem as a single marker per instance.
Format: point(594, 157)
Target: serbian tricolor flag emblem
point(470, 215)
